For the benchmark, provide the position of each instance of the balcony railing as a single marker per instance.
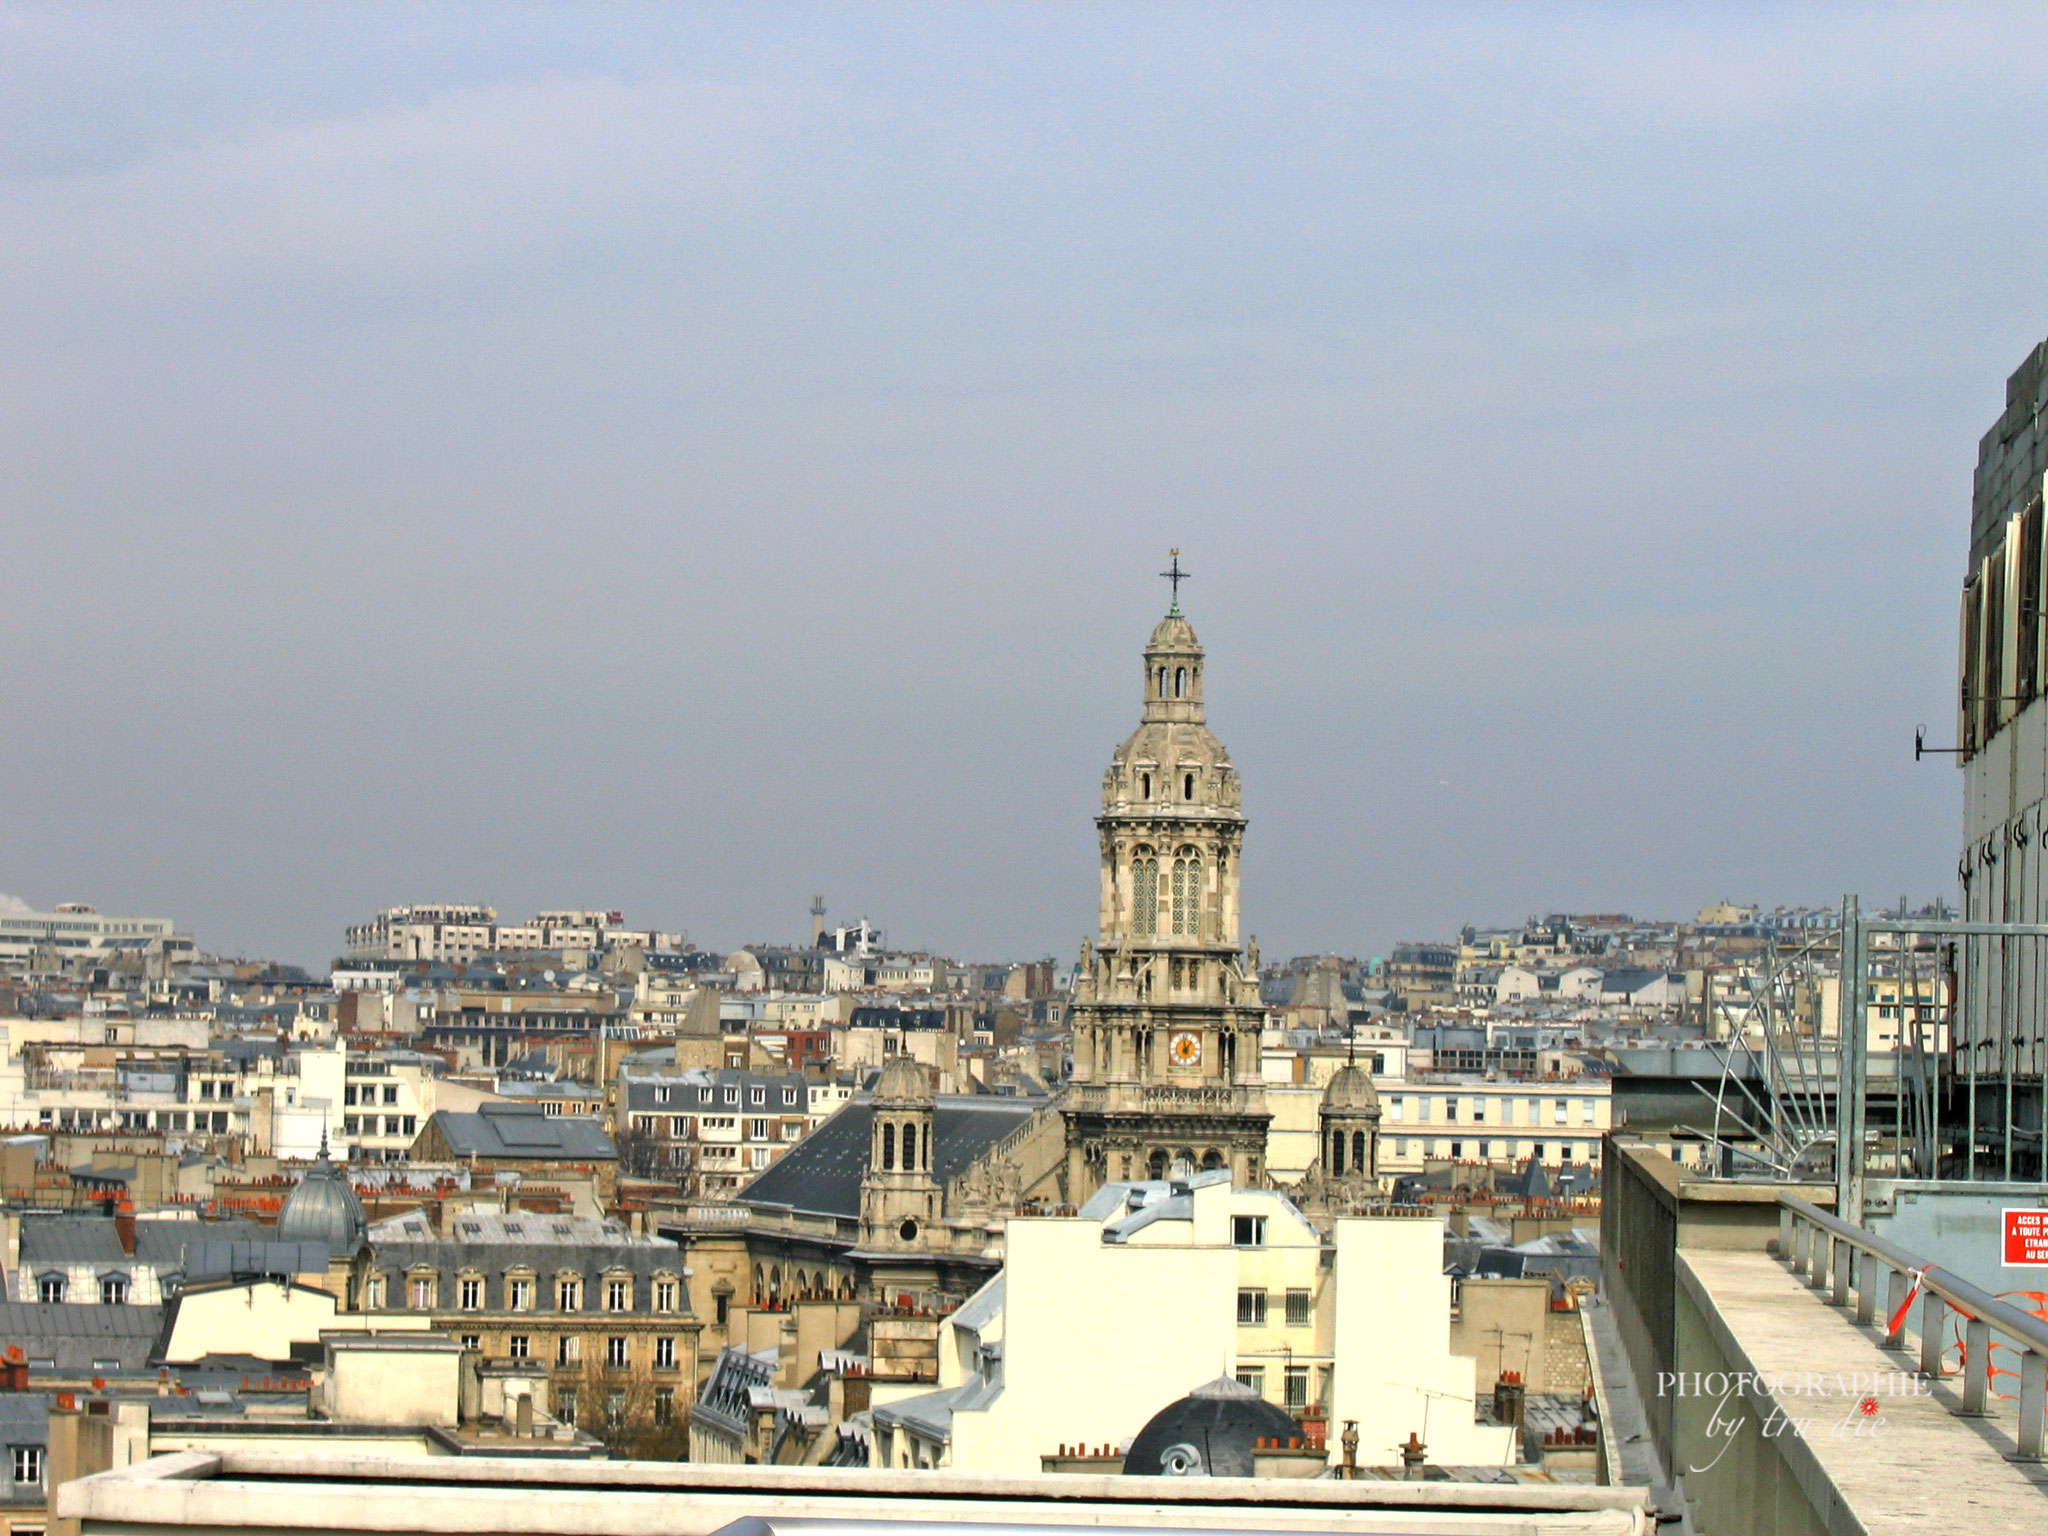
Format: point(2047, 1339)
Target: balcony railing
point(1847, 1261)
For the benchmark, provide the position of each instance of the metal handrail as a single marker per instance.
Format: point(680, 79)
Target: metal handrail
point(1832, 1266)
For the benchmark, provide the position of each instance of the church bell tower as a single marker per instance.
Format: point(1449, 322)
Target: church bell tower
point(1167, 1014)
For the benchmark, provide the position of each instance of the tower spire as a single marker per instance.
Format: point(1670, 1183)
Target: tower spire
point(1175, 576)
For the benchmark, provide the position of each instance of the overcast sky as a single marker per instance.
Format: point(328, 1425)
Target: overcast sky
point(684, 460)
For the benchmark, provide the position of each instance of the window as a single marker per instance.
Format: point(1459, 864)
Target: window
point(1144, 896)
point(1295, 1386)
point(420, 1291)
point(1586, 1108)
point(1478, 1111)
point(664, 1295)
point(391, 1093)
point(373, 1292)
point(113, 1290)
point(758, 1129)
point(1297, 1309)
point(614, 1409)
point(665, 1352)
point(618, 1295)
point(565, 1405)
point(1251, 1309)
point(615, 1350)
point(519, 1295)
point(1187, 893)
point(568, 1349)
point(568, 1295)
point(519, 1347)
point(1248, 1231)
point(664, 1406)
point(1457, 1149)
point(1560, 1111)
point(1400, 1146)
point(472, 1293)
point(348, 1095)
point(1394, 1108)
point(888, 1146)
point(661, 1095)
point(1187, 786)
point(409, 1125)
point(1451, 1110)
point(28, 1464)
point(50, 1288)
point(472, 1341)
point(351, 1125)
point(1252, 1376)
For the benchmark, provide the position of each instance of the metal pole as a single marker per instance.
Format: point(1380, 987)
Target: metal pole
point(1851, 1027)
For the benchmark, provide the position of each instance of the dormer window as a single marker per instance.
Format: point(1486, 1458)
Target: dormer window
point(1187, 786)
point(1144, 786)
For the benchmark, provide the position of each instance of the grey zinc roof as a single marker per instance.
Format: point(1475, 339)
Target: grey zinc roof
point(159, 1244)
point(523, 1131)
point(81, 1340)
point(493, 1244)
point(987, 1303)
point(822, 1172)
point(931, 1413)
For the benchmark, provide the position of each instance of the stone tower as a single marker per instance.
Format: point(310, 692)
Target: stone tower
point(899, 1195)
point(1167, 1015)
point(1348, 1131)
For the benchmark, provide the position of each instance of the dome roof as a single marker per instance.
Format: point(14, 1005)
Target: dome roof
point(1174, 633)
point(1351, 1089)
point(902, 1081)
point(1208, 1433)
point(323, 1209)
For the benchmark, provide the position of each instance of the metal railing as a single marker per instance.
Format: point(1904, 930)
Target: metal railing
point(1849, 1262)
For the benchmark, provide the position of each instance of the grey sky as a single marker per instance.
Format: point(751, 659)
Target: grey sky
point(684, 460)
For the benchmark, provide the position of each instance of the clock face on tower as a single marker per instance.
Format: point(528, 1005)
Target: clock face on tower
point(1184, 1047)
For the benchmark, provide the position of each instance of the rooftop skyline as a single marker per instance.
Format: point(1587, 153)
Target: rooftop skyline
point(684, 460)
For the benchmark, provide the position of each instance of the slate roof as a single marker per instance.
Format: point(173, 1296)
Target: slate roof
point(822, 1173)
point(24, 1420)
point(160, 1245)
point(523, 1131)
point(975, 1313)
point(931, 1413)
point(494, 1244)
point(80, 1340)
point(698, 1088)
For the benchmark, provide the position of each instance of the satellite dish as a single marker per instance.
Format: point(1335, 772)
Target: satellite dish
point(547, 975)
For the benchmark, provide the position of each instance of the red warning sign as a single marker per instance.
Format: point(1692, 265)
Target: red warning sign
point(2026, 1236)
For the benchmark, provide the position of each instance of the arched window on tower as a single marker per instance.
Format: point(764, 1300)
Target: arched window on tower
point(1358, 1149)
point(1162, 682)
point(1180, 682)
point(1336, 1154)
point(888, 1146)
point(1187, 893)
point(1187, 786)
point(1144, 786)
point(1144, 894)
point(910, 1148)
